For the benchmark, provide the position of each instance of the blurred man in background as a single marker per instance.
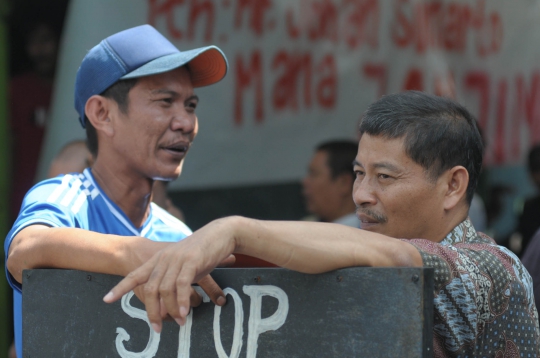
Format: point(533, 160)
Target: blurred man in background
point(328, 185)
point(30, 96)
point(74, 157)
point(529, 220)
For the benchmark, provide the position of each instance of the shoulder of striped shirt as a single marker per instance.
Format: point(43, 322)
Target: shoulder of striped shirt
point(169, 220)
point(73, 191)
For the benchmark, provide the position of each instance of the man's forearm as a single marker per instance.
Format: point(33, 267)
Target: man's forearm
point(319, 247)
point(39, 246)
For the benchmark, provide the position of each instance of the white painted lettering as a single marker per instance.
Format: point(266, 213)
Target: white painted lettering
point(238, 326)
point(122, 335)
point(184, 337)
point(257, 325)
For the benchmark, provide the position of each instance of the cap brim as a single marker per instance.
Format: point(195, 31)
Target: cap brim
point(207, 65)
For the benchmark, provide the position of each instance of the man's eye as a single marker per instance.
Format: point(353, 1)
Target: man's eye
point(167, 100)
point(384, 176)
point(358, 173)
point(192, 105)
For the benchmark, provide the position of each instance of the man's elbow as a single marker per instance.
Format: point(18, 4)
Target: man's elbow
point(15, 265)
point(408, 256)
point(18, 255)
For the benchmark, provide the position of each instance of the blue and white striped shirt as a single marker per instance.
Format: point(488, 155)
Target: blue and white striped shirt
point(76, 201)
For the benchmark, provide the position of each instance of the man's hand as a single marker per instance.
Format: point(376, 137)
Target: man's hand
point(167, 277)
point(209, 286)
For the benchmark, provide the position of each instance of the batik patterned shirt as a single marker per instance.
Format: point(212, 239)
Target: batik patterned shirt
point(484, 303)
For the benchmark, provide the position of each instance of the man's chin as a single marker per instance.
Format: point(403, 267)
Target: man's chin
point(158, 178)
point(167, 176)
point(168, 173)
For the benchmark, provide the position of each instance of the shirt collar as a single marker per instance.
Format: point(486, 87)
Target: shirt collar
point(464, 232)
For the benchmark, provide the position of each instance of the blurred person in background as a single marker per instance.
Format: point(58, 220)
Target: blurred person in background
point(74, 157)
point(529, 224)
point(531, 260)
point(12, 353)
point(529, 219)
point(161, 198)
point(477, 213)
point(328, 185)
point(477, 210)
point(30, 96)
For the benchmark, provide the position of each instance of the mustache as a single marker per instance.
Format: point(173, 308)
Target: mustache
point(372, 214)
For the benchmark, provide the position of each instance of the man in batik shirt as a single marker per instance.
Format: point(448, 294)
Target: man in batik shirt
point(417, 167)
point(484, 304)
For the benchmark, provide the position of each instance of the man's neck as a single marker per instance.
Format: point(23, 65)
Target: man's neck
point(452, 219)
point(131, 193)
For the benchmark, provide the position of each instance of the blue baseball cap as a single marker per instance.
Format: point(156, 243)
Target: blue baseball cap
point(142, 51)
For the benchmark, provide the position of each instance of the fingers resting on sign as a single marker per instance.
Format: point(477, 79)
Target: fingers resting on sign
point(212, 289)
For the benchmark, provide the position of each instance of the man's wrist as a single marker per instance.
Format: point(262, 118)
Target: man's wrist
point(135, 251)
point(125, 258)
point(239, 227)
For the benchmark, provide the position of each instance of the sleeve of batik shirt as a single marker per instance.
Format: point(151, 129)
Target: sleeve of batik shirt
point(474, 284)
point(48, 203)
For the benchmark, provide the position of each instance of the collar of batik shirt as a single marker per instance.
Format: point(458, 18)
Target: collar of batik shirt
point(463, 233)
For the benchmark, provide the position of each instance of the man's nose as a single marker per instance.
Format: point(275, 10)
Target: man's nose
point(184, 122)
point(363, 192)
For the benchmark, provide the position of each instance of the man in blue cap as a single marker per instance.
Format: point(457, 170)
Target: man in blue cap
point(135, 96)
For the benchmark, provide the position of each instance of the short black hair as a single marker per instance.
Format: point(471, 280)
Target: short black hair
point(341, 154)
point(119, 93)
point(439, 133)
point(533, 160)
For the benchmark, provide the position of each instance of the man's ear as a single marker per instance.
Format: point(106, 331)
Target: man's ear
point(457, 181)
point(97, 111)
